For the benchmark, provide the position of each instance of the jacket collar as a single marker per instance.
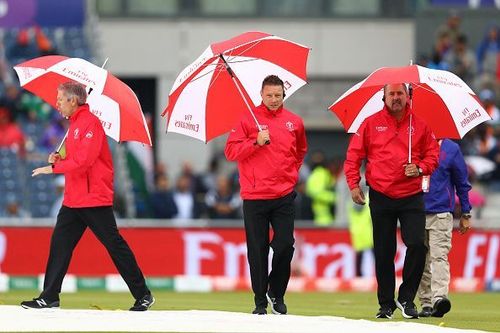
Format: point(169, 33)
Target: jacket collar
point(406, 114)
point(268, 113)
point(81, 109)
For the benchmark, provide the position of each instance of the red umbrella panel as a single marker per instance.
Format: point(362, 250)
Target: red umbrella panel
point(110, 99)
point(440, 98)
point(209, 96)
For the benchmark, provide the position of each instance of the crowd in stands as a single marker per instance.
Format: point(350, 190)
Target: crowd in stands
point(479, 66)
point(31, 128)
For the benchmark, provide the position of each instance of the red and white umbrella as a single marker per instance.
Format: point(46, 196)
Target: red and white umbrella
point(209, 95)
point(110, 99)
point(440, 98)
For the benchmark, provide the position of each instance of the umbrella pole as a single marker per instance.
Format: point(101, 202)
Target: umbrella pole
point(233, 77)
point(62, 142)
point(410, 93)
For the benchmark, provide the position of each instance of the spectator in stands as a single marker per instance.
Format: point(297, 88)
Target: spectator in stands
point(222, 202)
point(488, 51)
point(36, 109)
point(53, 135)
point(162, 199)
point(361, 232)
point(494, 155)
point(210, 177)
point(450, 177)
point(11, 135)
point(487, 97)
point(451, 27)
point(440, 48)
point(44, 44)
point(23, 49)
point(12, 101)
point(484, 140)
point(13, 208)
point(303, 203)
point(196, 184)
point(184, 198)
point(320, 187)
point(461, 60)
point(395, 193)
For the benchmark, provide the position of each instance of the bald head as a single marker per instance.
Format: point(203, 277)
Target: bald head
point(395, 98)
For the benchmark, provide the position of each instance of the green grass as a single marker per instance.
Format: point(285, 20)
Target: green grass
point(472, 311)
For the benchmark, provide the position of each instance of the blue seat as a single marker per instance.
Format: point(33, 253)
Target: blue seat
point(40, 210)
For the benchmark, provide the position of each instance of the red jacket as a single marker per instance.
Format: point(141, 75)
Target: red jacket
point(269, 171)
point(383, 142)
point(88, 165)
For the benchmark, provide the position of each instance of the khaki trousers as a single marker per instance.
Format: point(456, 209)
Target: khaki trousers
point(436, 277)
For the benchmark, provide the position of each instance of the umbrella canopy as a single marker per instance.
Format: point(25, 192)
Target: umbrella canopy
point(209, 96)
point(110, 99)
point(440, 98)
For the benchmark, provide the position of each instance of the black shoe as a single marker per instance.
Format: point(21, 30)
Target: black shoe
point(278, 306)
point(408, 309)
point(143, 303)
point(384, 313)
point(442, 306)
point(426, 312)
point(260, 310)
point(40, 303)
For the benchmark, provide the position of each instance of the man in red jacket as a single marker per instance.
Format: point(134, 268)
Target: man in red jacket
point(395, 192)
point(88, 200)
point(268, 162)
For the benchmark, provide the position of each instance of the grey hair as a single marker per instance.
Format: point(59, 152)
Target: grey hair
point(73, 89)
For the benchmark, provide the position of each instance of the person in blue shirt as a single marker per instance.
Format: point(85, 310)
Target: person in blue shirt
point(449, 178)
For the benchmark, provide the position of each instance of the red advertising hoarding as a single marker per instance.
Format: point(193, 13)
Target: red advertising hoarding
point(325, 253)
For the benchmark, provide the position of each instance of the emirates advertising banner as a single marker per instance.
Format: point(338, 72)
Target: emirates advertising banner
point(320, 253)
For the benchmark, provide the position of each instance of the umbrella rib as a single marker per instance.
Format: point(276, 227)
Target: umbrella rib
point(245, 60)
point(252, 45)
point(207, 73)
point(215, 77)
point(422, 87)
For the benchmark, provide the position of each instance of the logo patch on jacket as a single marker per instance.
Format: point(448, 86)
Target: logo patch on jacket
point(75, 133)
point(381, 128)
point(289, 125)
point(89, 135)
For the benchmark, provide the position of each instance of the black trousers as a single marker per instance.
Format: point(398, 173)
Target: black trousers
point(71, 223)
point(258, 215)
point(385, 213)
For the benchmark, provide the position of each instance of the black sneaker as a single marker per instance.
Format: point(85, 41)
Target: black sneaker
point(442, 306)
point(40, 303)
point(278, 305)
point(143, 303)
point(408, 309)
point(426, 312)
point(384, 313)
point(260, 310)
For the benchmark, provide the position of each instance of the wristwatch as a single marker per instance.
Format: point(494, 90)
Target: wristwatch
point(420, 171)
point(466, 216)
